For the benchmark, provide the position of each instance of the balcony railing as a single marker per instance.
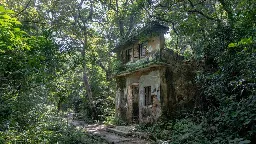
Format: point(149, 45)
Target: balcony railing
point(154, 58)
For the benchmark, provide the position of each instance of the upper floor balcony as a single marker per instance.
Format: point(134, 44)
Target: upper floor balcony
point(143, 50)
point(156, 58)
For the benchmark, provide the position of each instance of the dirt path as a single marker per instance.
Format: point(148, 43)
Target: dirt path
point(110, 135)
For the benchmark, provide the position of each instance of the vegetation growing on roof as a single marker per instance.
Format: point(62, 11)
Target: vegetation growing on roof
point(130, 67)
point(149, 30)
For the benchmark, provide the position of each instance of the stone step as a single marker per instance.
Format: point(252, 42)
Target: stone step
point(130, 133)
point(119, 132)
point(111, 135)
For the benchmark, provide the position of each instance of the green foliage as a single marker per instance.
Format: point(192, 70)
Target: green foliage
point(49, 128)
point(11, 36)
point(186, 131)
point(28, 69)
point(36, 76)
point(223, 34)
point(231, 92)
point(113, 120)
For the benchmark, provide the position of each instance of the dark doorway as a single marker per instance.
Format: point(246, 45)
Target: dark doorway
point(135, 103)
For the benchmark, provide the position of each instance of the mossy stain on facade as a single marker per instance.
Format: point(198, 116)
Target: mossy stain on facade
point(152, 81)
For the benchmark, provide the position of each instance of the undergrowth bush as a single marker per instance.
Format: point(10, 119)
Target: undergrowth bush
point(113, 120)
point(51, 128)
point(228, 113)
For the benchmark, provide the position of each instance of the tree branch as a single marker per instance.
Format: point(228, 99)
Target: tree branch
point(191, 4)
point(23, 9)
point(39, 22)
point(201, 13)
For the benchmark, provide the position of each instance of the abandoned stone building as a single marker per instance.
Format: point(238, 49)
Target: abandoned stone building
point(152, 80)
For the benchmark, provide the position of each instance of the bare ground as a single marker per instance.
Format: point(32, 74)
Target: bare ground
point(113, 135)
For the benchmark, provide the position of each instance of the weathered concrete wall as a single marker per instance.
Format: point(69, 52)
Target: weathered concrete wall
point(130, 80)
point(152, 112)
point(178, 88)
point(153, 44)
point(185, 87)
point(121, 99)
point(124, 104)
point(174, 88)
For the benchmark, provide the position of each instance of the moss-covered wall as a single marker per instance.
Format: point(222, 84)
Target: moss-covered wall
point(124, 103)
point(171, 82)
point(152, 112)
point(121, 99)
point(130, 80)
point(173, 85)
point(153, 44)
point(178, 88)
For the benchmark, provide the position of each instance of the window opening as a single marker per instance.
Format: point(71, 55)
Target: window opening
point(143, 49)
point(128, 55)
point(148, 97)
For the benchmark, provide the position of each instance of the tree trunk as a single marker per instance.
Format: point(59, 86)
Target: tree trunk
point(89, 92)
point(86, 81)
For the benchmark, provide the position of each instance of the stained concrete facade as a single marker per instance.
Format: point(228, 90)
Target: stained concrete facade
point(142, 80)
point(163, 83)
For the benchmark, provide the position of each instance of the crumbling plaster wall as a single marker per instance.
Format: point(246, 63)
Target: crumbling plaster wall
point(148, 78)
point(185, 87)
point(124, 104)
point(152, 112)
point(130, 80)
point(121, 99)
point(178, 88)
point(173, 85)
point(153, 44)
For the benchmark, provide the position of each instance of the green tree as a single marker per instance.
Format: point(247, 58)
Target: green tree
point(222, 35)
